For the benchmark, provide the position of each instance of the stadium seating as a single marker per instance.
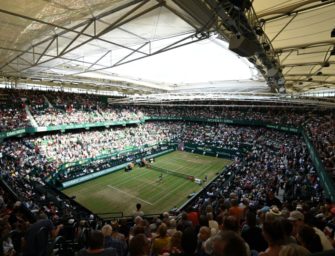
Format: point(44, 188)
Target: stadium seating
point(273, 162)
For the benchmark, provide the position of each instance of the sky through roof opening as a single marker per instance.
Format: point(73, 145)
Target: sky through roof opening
point(200, 62)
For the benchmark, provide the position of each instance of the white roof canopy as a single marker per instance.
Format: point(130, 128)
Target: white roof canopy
point(166, 45)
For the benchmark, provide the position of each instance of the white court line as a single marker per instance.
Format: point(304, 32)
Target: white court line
point(170, 192)
point(132, 177)
point(130, 195)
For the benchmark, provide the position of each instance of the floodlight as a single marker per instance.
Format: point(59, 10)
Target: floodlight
point(332, 51)
point(332, 33)
point(259, 31)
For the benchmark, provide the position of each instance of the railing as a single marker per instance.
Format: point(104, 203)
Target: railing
point(326, 181)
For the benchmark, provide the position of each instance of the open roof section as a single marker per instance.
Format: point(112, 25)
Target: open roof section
point(76, 43)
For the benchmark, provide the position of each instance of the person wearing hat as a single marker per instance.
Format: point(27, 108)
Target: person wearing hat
point(298, 221)
point(273, 213)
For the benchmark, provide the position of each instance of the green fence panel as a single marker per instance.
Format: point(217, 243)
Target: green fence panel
point(326, 181)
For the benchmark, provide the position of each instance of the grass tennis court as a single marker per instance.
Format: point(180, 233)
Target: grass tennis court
point(120, 191)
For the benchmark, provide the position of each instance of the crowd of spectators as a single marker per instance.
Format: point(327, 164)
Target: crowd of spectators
point(54, 116)
point(55, 108)
point(321, 131)
point(58, 108)
point(12, 118)
point(12, 111)
point(50, 151)
point(123, 113)
point(268, 202)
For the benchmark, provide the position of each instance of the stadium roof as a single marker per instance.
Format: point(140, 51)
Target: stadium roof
point(117, 44)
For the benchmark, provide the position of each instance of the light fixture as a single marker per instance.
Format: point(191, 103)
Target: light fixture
point(242, 5)
point(332, 33)
point(259, 31)
point(332, 53)
point(266, 46)
point(252, 60)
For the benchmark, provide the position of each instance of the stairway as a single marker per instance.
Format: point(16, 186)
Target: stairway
point(47, 101)
point(31, 118)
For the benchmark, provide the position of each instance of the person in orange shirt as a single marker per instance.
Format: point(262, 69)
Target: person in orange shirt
point(236, 211)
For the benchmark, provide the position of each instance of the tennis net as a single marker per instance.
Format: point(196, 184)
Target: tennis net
point(177, 174)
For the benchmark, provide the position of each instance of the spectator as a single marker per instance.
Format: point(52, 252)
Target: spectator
point(293, 250)
point(203, 235)
point(37, 236)
point(212, 224)
point(188, 242)
point(236, 211)
point(6, 245)
point(274, 235)
point(172, 227)
point(253, 234)
point(228, 243)
point(96, 246)
point(161, 242)
point(272, 200)
point(184, 222)
point(297, 218)
point(175, 247)
point(110, 242)
point(309, 239)
point(138, 211)
point(139, 246)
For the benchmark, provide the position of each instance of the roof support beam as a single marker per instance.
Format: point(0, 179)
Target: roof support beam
point(119, 22)
point(113, 26)
point(282, 29)
point(305, 45)
point(122, 20)
point(181, 16)
point(44, 51)
point(75, 38)
point(306, 64)
point(309, 75)
point(190, 39)
point(289, 10)
point(93, 64)
point(48, 55)
point(313, 81)
point(71, 29)
point(125, 57)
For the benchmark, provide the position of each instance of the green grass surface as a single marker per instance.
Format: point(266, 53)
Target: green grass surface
point(120, 191)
